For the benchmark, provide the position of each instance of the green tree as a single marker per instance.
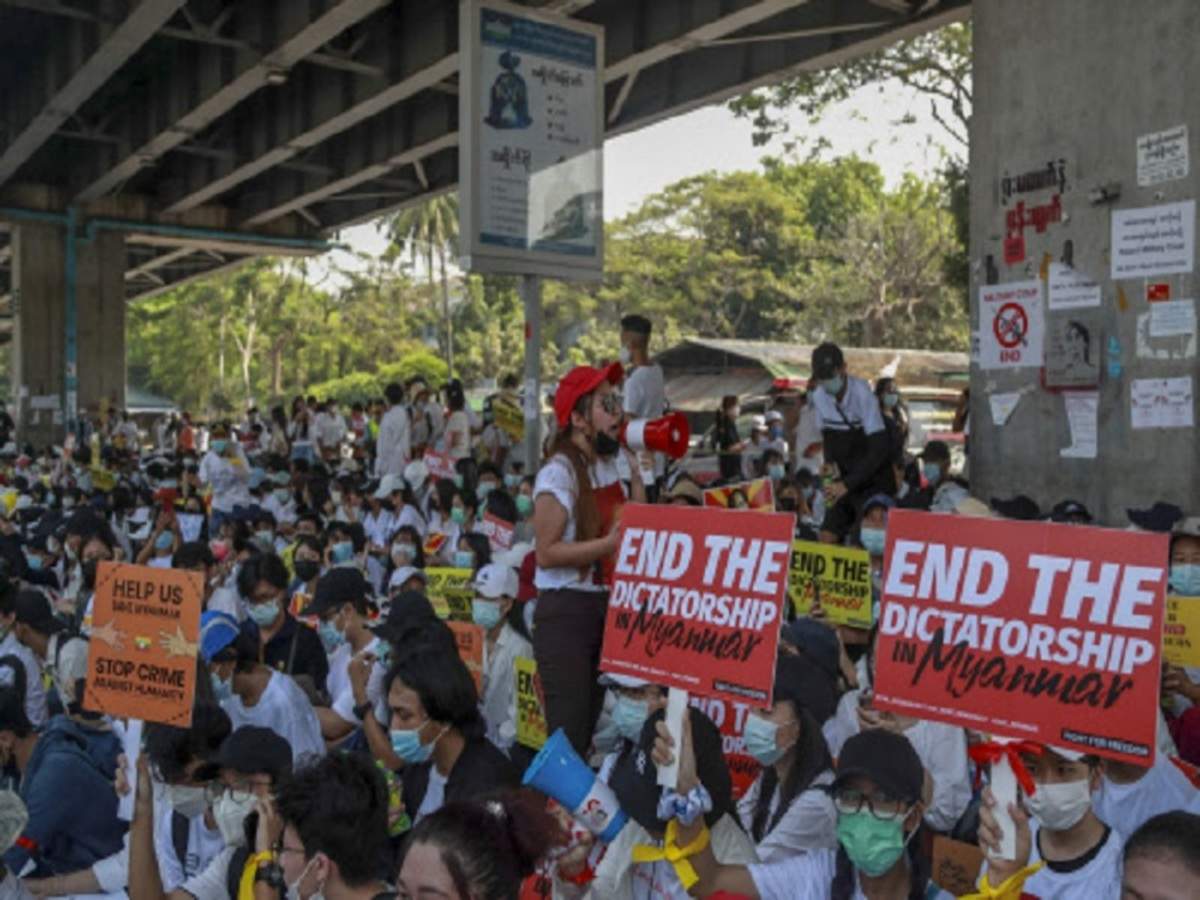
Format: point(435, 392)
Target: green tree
point(428, 233)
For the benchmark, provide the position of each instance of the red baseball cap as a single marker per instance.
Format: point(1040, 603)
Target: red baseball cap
point(580, 382)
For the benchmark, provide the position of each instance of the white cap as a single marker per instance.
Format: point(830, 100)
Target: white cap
point(1072, 755)
point(612, 679)
point(415, 474)
point(402, 574)
point(496, 580)
point(973, 506)
point(774, 416)
point(758, 423)
point(388, 486)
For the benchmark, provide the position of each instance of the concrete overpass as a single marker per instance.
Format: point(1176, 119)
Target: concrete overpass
point(172, 138)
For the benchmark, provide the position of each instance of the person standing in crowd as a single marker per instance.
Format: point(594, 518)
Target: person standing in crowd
point(645, 394)
point(459, 444)
point(576, 498)
point(300, 431)
point(808, 445)
point(855, 442)
point(225, 470)
point(728, 443)
point(895, 417)
point(394, 446)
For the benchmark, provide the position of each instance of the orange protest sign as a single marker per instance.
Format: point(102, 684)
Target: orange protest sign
point(470, 648)
point(144, 641)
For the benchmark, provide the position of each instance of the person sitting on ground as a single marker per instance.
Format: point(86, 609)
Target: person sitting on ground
point(1162, 859)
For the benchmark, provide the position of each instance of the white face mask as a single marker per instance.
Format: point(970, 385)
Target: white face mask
point(625, 356)
point(186, 800)
point(293, 889)
point(231, 818)
point(1059, 807)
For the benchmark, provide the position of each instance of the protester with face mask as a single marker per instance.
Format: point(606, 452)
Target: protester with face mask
point(872, 535)
point(306, 563)
point(934, 463)
point(496, 611)
point(281, 502)
point(727, 440)
point(250, 764)
point(1082, 854)
point(225, 470)
point(10, 646)
point(577, 494)
point(340, 603)
point(438, 733)
point(287, 645)
point(896, 419)
point(473, 552)
point(773, 467)
point(1181, 684)
point(855, 442)
point(457, 436)
point(324, 833)
point(877, 791)
point(163, 541)
point(57, 650)
point(250, 692)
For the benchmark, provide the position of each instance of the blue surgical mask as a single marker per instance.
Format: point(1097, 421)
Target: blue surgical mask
point(34, 562)
point(524, 506)
point(263, 614)
point(458, 515)
point(761, 737)
point(485, 488)
point(331, 638)
point(629, 716)
point(512, 481)
point(464, 559)
point(833, 386)
point(776, 472)
point(891, 400)
point(266, 538)
point(342, 552)
point(872, 539)
point(485, 613)
point(283, 495)
point(1185, 579)
point(932, 472)
point(218, 446)
point(222, 690)
point(164, 540)
point(407, 745)
point(458, 481)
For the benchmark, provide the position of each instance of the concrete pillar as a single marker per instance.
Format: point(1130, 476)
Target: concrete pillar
point(1079, 81)
point(39, 327)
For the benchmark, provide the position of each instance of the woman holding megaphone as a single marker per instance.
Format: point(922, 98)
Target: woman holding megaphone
point(577, 499)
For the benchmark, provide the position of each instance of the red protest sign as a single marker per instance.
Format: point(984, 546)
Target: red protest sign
point(498, 532)
point(1024, 629)
point(440, 465)
point(697, 599)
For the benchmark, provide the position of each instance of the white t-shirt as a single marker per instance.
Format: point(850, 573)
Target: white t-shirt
point(35, 688)
point(229, 478)
point(211, 884)
point(499, 700)
point(285, 709)
point(858, 408)
point(203, 845)
point(1126, 807)
point(1097, 879)
point(557, 478)
point(458, 435)
point(337, 683)
point(435, 794)
point(379, 527)
point(646, 398)
point(394, 444)
point(810, 823)
point(284, 513)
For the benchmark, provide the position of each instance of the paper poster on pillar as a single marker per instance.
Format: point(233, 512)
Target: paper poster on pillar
point(1181, 345)
point(1153, 240)
point(1011, 325)
point(1073, 344)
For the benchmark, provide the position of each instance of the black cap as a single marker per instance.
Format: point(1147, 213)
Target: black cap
point(252, 750)
point(826, 360)
point(408, 610)
point(33, 609)
point(936, 450)
point(888, 759)
point(636, 325)
point(815, 641)
point(1019, 507)
point(337, 586)
point(1160, 517)
point(634, 778)
point(1067, 510)
point(808, 685)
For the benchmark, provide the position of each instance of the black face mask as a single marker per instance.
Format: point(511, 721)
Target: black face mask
point(307, 569)
point(787, 504)
point(605, 444)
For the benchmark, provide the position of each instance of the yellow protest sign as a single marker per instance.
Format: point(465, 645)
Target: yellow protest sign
point(509, 416)
point(838, 577)
point(1181, 631)
point(450, 592)
point(531, 718)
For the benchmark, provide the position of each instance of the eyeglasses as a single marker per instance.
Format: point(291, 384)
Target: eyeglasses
point(611, 403)
point(242, 792)
point(849, 801)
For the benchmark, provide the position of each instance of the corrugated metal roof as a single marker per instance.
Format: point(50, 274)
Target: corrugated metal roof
point(703, 393)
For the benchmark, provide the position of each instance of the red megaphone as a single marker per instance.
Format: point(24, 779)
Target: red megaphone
point(667, 435)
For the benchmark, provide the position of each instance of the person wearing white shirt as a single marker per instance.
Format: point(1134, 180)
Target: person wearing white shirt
point(393, 448)
point(35, 687)
point(280, 502)
point(340, 602)
point(492, 609)
point(1130, 795)
point(458, 438)
point(645, 395)
point(224, 468)
point(252, 693)
point(330, 430)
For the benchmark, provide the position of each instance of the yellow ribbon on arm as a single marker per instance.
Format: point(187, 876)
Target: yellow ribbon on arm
point(674, 854)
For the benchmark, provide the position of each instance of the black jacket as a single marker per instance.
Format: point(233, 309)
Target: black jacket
point(481, 769)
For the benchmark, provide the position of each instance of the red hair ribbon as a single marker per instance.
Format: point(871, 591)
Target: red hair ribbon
point(989, 752)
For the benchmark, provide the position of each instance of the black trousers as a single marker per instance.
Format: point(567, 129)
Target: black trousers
point(568, 629)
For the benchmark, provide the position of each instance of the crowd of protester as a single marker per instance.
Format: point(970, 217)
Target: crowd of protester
point(340, 747)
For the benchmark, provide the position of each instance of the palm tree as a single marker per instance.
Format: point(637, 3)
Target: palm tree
point(428, 233)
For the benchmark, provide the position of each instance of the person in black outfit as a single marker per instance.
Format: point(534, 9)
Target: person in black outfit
point(729, 443)
point(437, 731)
